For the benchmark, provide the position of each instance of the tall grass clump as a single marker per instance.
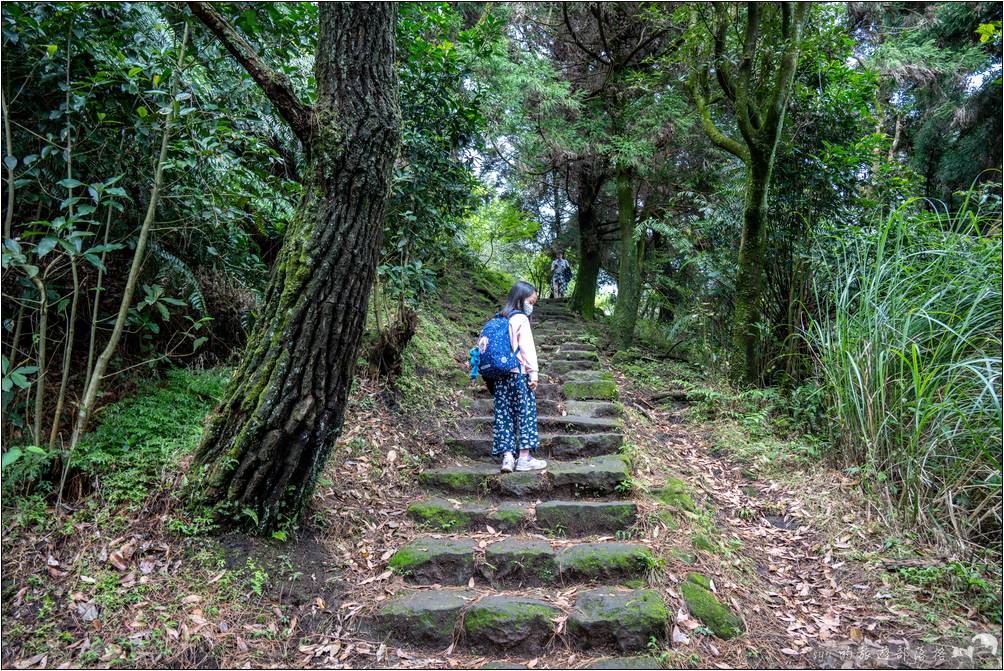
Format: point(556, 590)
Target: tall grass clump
point(908, 355)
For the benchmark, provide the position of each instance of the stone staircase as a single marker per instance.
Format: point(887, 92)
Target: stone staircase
point(550, 530)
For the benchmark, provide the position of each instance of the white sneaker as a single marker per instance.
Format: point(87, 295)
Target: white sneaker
point(507, 462)
point(530, 464)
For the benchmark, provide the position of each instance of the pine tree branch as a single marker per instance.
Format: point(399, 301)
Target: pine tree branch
point(275, 85)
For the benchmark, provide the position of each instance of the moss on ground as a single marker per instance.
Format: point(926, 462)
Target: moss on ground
point(710, 611)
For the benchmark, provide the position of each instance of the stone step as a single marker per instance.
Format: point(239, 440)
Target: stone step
point(561, 518)
point(519, 562)
point(563, 366)
point(546, 406)
point(584, 518)
point(551, 390)
point(601, 476)
point(512, 623)
point(552, 445)
point(595, 389)
point(569, 347)
point(576, 355)
point(552, 424)
point(444, 515)
point(594, 408)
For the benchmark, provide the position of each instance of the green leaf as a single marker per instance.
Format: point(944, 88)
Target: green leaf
point(51, 50)
point(142, 112)
point(10, 162)
point(70, 183)
point(46, 245)
point(10, 457)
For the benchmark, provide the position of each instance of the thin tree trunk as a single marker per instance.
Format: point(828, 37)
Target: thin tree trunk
point(43, 334)
point(8, 219)
point(57, 416)
point(283, 410)
point(101, 365)
point(749, 273)
point(583, 298)
point(629, 264)
point(92, 343)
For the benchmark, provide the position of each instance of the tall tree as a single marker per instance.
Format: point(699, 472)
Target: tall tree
point(754, 71)
point(283, 410)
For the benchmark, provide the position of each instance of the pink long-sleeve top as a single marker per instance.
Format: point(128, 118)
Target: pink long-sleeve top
point(521, 336)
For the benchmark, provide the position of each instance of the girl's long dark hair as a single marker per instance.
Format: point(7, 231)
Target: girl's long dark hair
point(517, 297)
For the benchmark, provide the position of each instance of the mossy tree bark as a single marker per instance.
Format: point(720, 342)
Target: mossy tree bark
point(758, 89)
point(583, 298)
point(269, 438)
point(629, 263)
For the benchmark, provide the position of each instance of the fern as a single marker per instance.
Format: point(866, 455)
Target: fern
point(171, 268)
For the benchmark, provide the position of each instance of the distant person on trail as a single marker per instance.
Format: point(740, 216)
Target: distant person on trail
point(561, 275)
point(506, 358)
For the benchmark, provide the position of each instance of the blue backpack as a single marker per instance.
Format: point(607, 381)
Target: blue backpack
point(498, 359)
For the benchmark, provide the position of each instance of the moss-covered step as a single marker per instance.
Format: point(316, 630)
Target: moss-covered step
point(706, 607)
point(509, 517)
point(435, 560)
point(588, 375)
point(605, 561)
point(575, 353)
point(594, 408)
point(517, 562)
point(552, 445)
point(561, 366)
point(444, 515)
point(625, 663)
point(608, 617)
point(509, 623)
point(485, 406)
point(423, 618)
point(582, 518)
point(603, 475)
point(573, 347)
point(547, 390)
point(590, 390)
point(552, 424)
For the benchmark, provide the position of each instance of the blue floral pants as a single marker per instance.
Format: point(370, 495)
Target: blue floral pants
point(515, 412)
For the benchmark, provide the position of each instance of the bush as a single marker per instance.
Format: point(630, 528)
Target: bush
point(907, 351)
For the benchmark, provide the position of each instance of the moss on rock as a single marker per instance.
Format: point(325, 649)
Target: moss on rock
point(435, 560)
point(510, 623)
point(675, 493)
point(710, 611)
point(628, 619)
point(443, 515)
point(591, 390)
point(588, 561)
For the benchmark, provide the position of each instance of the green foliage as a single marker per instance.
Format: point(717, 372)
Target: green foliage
point(908, 352)
point(139, 437)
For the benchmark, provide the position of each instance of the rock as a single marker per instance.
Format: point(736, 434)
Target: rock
point(425, 618)
point(580, 518)
point(522, 483)
point(563, 365)
point(520, 562)
point(509, 517)
point(463, 479)
point(509, 623)
point(607, 617)
point(584, 390)
point(625, 663)
point(552, 445)
point(576, 353)
point(442, 515)
point(683, 555)
point(435, 560)
point(599, 475)
point(699, 579)
point(594, 408)
point(675, 493)
point(706, 607)
point(589, 376)
point(588, 561)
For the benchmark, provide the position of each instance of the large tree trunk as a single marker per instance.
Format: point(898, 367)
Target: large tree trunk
point(583, 298)
point(629, 264)
point(283, 410)
point(749, 274)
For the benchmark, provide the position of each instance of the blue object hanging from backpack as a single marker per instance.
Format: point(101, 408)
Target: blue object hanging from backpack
point(498, 359)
